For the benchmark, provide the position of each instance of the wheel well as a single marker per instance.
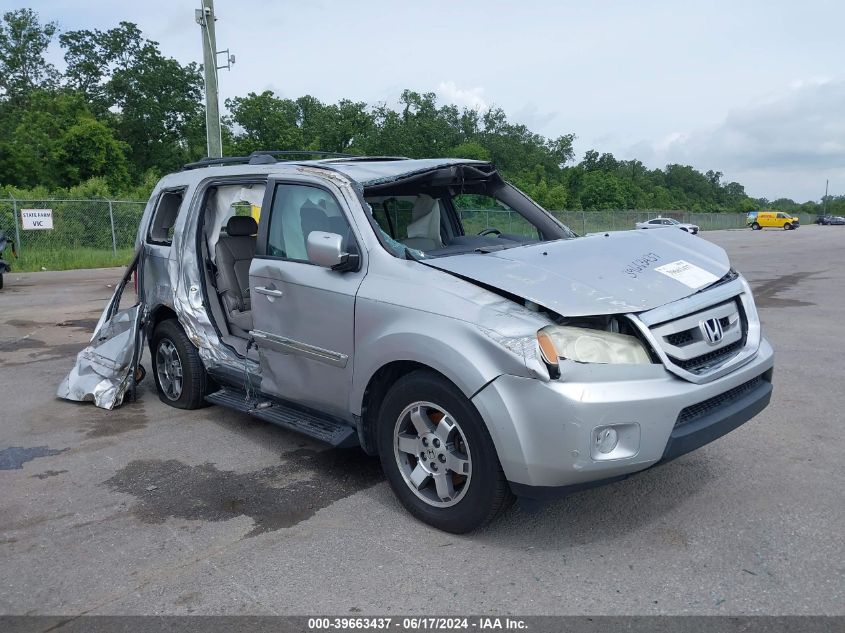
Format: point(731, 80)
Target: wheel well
point(161, 313)
point(380, 383)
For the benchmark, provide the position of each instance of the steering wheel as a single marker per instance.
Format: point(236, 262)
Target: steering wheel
point(490, 230)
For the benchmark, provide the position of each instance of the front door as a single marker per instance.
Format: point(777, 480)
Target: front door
point(303, 314)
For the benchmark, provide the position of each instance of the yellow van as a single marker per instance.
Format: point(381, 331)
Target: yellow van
point(777, 219)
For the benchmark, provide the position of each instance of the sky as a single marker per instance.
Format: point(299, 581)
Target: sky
point(753, 89)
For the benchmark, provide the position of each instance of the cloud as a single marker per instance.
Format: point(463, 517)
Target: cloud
point(793, 138)
point(802, 128)
point(532, 117)
point(472, 98)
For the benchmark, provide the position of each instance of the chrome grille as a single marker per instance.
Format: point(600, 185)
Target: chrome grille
point(687, 344)
point(701, 363)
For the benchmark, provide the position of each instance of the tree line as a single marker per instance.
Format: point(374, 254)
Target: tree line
point(121, 113)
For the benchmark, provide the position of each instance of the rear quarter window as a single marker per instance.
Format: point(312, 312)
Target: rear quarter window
point(164, 217)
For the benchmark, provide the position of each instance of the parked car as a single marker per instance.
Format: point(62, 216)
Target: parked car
point(518, 359)
point(830, 219)
point(5, 267)
point(776, 219)
point(659, 223)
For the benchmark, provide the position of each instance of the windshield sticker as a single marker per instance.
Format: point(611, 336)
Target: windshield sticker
point(640, 264)
point(688, 274)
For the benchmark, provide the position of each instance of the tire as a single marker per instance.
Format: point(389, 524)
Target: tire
point(1, 281)
point(787, 227)
point(467, 458)
point(169, 344)
point(755, 227)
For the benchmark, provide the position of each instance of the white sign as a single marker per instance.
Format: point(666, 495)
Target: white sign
point(36, 219)
point(688, 274)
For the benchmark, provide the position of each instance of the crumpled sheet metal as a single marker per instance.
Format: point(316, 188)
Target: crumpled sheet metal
point(101, 373)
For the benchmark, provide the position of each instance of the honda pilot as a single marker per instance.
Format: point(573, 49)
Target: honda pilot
point(434, 315)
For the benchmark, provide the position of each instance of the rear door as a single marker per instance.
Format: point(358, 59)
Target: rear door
point(304, 314)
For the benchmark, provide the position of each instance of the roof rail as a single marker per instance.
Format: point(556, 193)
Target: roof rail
point(209, 162)
point(299, 152)
point(261, 157)
point(364, 159)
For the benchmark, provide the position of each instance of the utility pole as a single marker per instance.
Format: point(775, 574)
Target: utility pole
point(205, 18)
point(826, 183)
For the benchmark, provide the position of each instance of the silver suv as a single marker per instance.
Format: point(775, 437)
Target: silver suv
point(434, 315)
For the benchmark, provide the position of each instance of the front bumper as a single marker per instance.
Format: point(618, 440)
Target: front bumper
point(544, 431)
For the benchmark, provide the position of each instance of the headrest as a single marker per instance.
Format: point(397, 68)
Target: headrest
point(240, 225)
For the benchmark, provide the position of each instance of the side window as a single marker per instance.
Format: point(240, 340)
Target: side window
point(297, 211)
point(164, 217)
point(478, 212)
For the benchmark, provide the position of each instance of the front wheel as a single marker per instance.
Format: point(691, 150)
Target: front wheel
point(755, 227)
point(180, 376)
point(438, 456)
point(787, 227)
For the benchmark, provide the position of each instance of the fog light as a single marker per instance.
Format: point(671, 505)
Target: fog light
point(615, 441)
point(606, 440)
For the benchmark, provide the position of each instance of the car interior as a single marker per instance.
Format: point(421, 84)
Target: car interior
point(441, 222)
point(230, 228)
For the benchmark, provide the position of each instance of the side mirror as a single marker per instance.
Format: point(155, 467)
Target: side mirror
point(326, 250)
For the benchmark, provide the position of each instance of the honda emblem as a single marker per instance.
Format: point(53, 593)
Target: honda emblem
point(712, 330)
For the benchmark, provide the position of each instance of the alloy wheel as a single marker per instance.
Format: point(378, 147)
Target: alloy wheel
point(169, 369)
point(432, 454)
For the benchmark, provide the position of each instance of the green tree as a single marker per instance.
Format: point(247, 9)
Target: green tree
point(266, 121)
point(469, 149)
point(602, 190)
point(23, 45)
point(149, 99)
point(88, 149)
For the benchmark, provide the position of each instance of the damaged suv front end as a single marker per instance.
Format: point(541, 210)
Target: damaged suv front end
point(652, 350)
point(596, 422)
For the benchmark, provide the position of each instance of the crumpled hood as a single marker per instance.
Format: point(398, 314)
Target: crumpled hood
point(606, 273)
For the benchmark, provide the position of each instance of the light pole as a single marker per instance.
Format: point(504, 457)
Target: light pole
point(205, 18)
point(824, 203)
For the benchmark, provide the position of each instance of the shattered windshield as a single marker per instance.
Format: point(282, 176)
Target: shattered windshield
point(435, 223)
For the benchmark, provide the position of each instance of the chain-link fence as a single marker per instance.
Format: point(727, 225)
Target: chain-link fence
point(84, 233)
point(583, 222)
point(99, 233)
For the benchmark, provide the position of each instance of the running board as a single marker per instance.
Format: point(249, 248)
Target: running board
point(320, 428)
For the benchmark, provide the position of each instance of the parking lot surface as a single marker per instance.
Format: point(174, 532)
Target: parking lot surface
point(151, 510)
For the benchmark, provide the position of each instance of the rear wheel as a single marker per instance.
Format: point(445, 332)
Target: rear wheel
point(180, 376)
point(438, 456)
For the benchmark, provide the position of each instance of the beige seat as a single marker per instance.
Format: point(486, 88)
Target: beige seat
point(424, 229)
point(235, 251)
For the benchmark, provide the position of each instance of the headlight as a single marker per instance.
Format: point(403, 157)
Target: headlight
point(589, 346)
